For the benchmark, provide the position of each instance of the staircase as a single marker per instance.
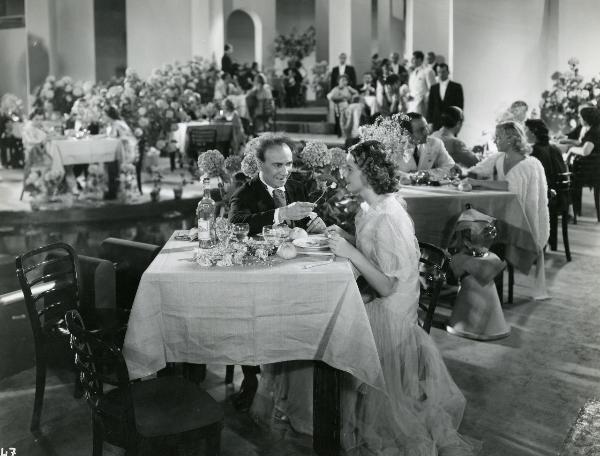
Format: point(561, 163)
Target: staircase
point(308, 124)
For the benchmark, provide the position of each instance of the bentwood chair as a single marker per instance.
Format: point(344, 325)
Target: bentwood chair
point(50, 280)
point(200, 139)
point(433, 267)
point(143, 415)
point(559, 203)
point(130, 259)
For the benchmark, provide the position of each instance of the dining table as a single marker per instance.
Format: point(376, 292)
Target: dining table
point(281, 310)
point(435, 210)
point(85, 150)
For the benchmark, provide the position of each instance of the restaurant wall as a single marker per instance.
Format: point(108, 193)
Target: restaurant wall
point(500, 55)
point(167, 39)
point(13, 58)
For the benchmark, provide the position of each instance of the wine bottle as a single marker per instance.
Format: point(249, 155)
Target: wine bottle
point(206, 218)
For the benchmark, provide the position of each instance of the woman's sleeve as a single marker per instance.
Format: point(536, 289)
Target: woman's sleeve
point(486, 166)
point(528, 181)
point(396, 249)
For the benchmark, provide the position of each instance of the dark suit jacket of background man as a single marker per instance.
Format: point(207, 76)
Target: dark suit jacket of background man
point(348, 71)
point(227, 64)
point(252, 204)
point(452, 97)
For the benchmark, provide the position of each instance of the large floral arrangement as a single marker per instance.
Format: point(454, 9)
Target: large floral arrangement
point(62, 93)
point(11, 110)
point(171, 94)
point(295, 45)
point(320, 79)
point(560, 104)
point(389, 132)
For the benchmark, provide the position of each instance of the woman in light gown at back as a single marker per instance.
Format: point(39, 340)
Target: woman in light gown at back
point(421, 408)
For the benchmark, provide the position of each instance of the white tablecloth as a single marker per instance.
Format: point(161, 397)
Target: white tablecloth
point(72, 151)
point(249, 315)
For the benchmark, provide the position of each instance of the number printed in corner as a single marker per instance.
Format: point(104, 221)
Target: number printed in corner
point(8, 451)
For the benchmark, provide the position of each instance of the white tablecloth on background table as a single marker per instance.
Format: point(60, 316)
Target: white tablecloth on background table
point(72, 151)
point(249, 315)
point(434, 211)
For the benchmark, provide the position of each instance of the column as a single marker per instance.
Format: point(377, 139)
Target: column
point(350, 32)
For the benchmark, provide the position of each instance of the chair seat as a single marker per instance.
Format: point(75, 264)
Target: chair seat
point(166, 406)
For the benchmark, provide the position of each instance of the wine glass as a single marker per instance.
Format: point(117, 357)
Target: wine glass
point(270, 234)
point(240, 231)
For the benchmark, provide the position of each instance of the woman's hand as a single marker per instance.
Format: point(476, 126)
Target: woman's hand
point(341, 247)
point(336, 230)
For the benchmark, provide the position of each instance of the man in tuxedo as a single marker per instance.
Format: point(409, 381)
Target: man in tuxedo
point(348, 70)
point(270, 198)
point(428, 152)
point(442, 95)
point(397, 68)
point(419, 83)
point(226, 62)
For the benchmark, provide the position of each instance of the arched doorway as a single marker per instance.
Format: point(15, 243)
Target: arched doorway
point(240, 33)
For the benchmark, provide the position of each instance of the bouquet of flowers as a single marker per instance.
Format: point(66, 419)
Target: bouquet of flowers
point(11, 110)
point(211, 163)
point(233, 164)
point(249, 165)
point(559, 106)
point(389, 132)
point(315, 155)
point(62, 93)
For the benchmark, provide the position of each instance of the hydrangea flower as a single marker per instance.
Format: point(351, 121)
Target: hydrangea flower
point(315, 155)
point(250, 165)
point(211, 162)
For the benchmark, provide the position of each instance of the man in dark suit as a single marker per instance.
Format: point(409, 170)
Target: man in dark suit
point(270, 199)
point(442, 95)
point(226, 62)
point(397, 68)
point(348, 70)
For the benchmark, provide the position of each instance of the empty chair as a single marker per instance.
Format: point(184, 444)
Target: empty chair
point(50, 280)
point(559, 203)
point(433, 266)
point(143, 415)
point(131, 259)
point(200, 139)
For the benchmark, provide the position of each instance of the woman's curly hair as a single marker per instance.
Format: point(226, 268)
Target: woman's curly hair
point(373, 161)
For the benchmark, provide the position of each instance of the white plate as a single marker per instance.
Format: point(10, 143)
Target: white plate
point(312, 243)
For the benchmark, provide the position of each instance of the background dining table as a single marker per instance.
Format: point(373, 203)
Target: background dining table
point(253, 315)
point(434, 211)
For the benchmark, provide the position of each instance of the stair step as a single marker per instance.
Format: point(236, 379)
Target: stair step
point(302, 116)
point(329, 140)
point(305, 127)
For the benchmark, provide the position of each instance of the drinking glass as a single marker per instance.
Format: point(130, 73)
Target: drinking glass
point(223, 229)
point(270, 234)
point(240, 231)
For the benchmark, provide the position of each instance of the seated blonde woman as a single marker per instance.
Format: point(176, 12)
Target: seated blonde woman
point(512, 169)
